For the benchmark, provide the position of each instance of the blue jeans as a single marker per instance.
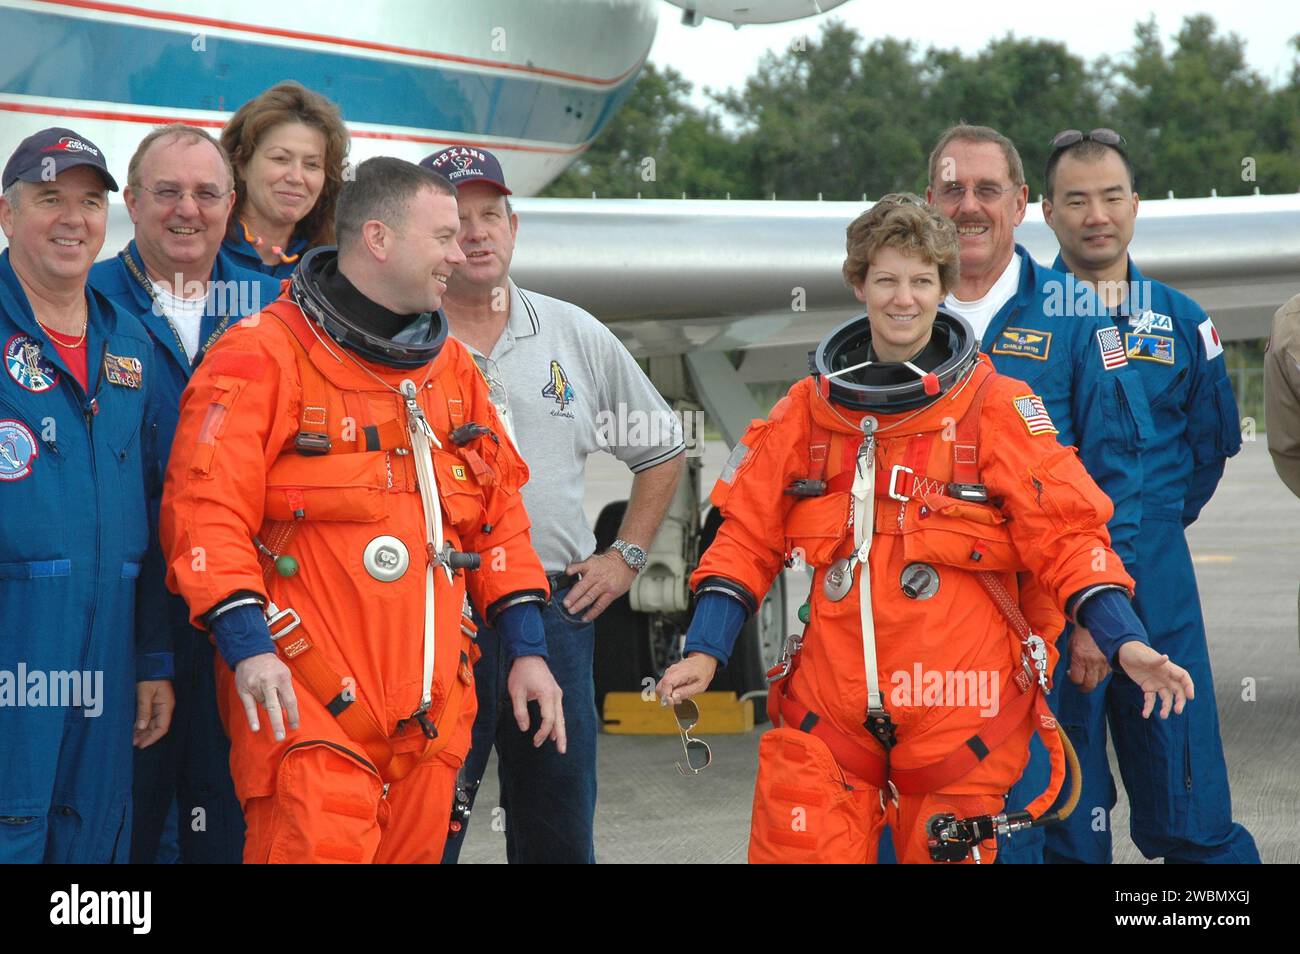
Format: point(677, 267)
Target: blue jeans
point(548, 800)
point(188, 769)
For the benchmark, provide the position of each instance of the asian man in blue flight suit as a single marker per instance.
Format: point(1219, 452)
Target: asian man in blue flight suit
point(77, 373)
point(186, 291)
point(1061, 345)
point(1174, 773)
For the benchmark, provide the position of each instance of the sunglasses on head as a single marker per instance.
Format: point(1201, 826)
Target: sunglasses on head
point(1069, 137)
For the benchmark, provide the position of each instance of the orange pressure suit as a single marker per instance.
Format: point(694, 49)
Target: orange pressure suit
point(375, 783)
point(1045, 516)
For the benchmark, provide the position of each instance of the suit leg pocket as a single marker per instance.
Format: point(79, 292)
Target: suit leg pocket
point(804, 811)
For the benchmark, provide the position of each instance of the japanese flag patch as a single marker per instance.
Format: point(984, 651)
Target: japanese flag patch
point(1112, 348)
point(1034, 414)
point(1210, 335)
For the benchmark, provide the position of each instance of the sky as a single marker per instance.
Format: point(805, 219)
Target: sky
point(718, 55)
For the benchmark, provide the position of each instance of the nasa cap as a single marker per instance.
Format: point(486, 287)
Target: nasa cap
point(462, 164)
point(31, 159)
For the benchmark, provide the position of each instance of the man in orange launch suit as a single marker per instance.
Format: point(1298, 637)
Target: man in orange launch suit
point(930, 496)
point(337, 484)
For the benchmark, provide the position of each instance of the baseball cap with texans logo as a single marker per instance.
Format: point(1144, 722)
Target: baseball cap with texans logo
point(462, 164)
point(44, 155)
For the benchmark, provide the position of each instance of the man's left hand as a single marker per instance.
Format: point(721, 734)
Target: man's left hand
point(605, 577)
point(154, 704)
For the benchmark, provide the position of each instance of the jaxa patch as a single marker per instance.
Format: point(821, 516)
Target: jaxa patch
point(1150, 321)
point(458, 472)
point(124, 372)
point(1112, 349)
point(1024, 342)
point(17, 450)
point(29, 368)
point(1149, 348)
point(1032, 411)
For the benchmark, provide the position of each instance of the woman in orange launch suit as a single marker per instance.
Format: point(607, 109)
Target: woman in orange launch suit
point(906, 460)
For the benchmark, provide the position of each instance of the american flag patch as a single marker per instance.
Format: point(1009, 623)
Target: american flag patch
point(1034, 414)
point(1112, 348)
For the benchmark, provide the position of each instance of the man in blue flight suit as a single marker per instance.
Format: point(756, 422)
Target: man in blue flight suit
point(72, 403)
point(1174, 773)
point(1061, 345)
point(184, 290)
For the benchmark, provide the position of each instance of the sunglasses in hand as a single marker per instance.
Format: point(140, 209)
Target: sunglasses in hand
point(698, 754)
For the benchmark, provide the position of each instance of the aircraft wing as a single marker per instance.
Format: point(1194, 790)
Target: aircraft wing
point(676, 276)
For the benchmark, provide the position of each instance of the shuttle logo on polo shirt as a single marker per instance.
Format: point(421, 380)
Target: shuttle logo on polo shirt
point(558, 388)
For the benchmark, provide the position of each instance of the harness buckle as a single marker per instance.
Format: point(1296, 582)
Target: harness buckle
point(881, 725)
point(894, 474)
point(279, 616)
point(421, 715)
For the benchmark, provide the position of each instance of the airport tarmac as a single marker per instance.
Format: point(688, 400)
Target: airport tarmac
point(1246, 546)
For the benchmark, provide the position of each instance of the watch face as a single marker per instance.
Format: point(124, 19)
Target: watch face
point(632, 554)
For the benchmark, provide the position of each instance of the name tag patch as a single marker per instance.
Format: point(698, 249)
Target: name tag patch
point(124, 372)
point(1156, 348)
point(1024, 342)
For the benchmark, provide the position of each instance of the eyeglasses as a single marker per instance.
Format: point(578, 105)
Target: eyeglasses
point(205, 198)
point(698, 753)
point(1107, 137)
point(986, 194)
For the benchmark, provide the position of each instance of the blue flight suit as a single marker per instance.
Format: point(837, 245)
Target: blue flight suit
point(190, 765)
point(1173, 770)
point(241, 253)
point(1055, 336)
point(72, 498)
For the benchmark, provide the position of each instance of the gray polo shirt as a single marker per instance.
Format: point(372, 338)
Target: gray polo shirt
point(567, 388)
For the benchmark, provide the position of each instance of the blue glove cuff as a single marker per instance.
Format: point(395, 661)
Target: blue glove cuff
point(522, 631)
point(240, 633)
point(1109, 616)
point(715, 625)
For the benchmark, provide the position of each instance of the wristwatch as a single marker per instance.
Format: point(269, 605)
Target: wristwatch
point(632, 554)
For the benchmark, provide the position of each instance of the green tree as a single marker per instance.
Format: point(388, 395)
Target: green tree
point(1191, 116)
point(836, 119)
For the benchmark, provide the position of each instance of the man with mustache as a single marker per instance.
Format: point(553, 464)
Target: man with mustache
point(1037, 327)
